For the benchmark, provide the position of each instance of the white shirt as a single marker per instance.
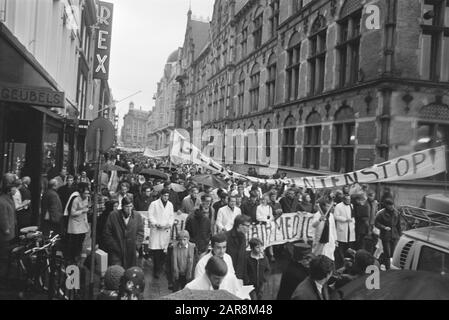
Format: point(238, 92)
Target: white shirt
point(226, 216)
point(263, 212)
point(200, 268)
point(126, 220)
point(17, 197)
point(319, 287)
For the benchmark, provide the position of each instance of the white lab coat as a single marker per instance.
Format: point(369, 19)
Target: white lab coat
point(326, 249)
point(342, 212)
point(158, 214)
point(225, 217)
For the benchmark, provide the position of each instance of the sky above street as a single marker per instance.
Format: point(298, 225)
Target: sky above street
point(144, 33)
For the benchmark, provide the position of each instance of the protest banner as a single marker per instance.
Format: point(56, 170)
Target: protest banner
point(178, 225)
point(289, 227)
point(150, 153)
point(418, 165)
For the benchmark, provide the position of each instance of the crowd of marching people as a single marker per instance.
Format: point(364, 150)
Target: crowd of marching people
point(211, 251)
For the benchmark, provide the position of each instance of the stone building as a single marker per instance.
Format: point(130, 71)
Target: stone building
point(134, 128)
point(348, 83)
point(162, 120)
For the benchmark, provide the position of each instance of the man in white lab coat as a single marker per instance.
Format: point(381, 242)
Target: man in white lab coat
point(345, 225)
point(161, 218)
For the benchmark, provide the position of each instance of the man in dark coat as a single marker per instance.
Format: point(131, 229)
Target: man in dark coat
point(315, 286)
point(123, 235)
point(236, 246)
point(24, 217)
point(249, 208)
point(389, 224)
point(290, 203)
point(8, 219)
point(66, 190)
point(143, 200)
point(52, 209)
point(297, 270)
point(362, 217)
point(199, 227)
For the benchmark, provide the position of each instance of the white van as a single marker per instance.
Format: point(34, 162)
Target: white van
point(424, 248)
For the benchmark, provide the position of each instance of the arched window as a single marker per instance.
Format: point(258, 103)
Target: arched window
point(215, 105)
point(433, 131)
point(293, 66)
point(312, 141)
point(349, 42)
point(344, 140)
point(241, 94)
point(289, 142)
point(250, 145)
point(317, 58)
point(254, 90)
point(271, 80)
point(258, 27)
point(222, 110)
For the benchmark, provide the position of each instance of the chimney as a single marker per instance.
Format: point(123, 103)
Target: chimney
point(131, 105)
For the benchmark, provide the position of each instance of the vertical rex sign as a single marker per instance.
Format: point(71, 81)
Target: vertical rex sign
point(103, 40)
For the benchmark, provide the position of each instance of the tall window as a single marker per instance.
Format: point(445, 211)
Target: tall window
point(317, 56)
point(344, 140)
point(257, 33)
point(254, 90)
point(433, 131)
point(225, 53)
point(268, 139)
point(435, 45)
point(82, 94)
point(271, 80)
point(349, 42)
point(289, 142)
point(215, 112)
point(274, 19)
point(244, 43)
point(241, 95)
point(293, 66)
point(312, 142)
point(222, 102)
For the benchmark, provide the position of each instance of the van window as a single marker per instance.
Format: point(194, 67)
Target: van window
point(433, 260)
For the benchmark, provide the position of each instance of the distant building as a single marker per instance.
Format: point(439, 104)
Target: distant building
point(162, 120)
point(134, 128)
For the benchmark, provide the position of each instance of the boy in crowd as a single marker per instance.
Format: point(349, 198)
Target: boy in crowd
point(258, 268)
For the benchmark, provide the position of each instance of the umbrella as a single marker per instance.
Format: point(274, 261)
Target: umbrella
point(113, 167)
point(210, 180)
point(154, 174)
point(174, 186)
point(399, 285)
point(187, 294)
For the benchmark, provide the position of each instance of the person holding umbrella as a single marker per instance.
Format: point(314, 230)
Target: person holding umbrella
point(161, 219)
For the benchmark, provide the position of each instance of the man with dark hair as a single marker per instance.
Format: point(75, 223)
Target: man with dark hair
point(7, 216)
point(212, 279)
point(123, 192)
point(199, 227)
point(237, 245)
point(219, 245)
point(223, 202)
point(315, 286)
point(174, 196)
point(249, 208)
point(161, 219)
point(66, 190)
point(52, 209)
point(362, 260)
point(297, 270)
point(143, 200)
point(389, 224)
point(290, 202)
point(226, 215)
point(191, 202)
point(123, 235)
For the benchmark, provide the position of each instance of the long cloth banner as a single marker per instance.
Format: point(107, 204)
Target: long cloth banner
point(416, 165)
point(150, 153)
point(287, 228)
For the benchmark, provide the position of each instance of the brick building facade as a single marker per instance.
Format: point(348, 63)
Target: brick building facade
point(343, 95)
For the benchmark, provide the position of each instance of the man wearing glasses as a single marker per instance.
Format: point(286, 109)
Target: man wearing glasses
point(236, 247)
